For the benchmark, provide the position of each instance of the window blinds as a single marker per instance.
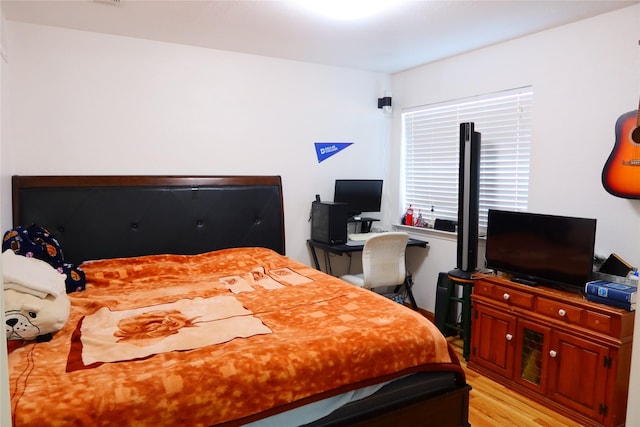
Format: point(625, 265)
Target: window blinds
point(431, 146)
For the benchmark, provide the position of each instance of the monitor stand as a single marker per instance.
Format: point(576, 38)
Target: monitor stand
point(365, 222)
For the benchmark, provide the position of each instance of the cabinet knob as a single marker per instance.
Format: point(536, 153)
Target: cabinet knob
point(553, 353)
point(562, 313)
point(509, 337)
point(506, 296)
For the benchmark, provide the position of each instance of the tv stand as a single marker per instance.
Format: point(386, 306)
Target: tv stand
point(553, 346)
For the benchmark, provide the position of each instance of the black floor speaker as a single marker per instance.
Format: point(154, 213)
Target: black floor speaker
point(468, 200)
point(329, 222)
point(441, 306)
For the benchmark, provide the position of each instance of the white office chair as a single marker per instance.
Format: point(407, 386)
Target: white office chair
point(383, 262)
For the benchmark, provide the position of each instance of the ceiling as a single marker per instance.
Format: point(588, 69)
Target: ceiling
point(415, 32)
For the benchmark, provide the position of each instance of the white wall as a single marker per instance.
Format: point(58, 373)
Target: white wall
point(585, 75)
point(5, 399)
point(86, 103)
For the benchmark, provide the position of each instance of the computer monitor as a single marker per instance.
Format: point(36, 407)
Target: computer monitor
point(361, 195)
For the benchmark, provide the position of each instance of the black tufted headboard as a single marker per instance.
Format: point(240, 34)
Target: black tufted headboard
point(96, 217)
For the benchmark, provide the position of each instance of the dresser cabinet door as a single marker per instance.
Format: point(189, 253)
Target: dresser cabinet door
point(578, 371)
point(493, 340)
point(531, 355)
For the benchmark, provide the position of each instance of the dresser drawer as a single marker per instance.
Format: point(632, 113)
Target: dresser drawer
point(598, 322)
point(505, 295)
point(559, 311)
point(483, 288)
point(513, 297)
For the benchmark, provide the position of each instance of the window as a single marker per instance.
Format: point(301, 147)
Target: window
point(431, 145)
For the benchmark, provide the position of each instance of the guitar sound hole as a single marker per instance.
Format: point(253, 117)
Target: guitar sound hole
point(635, 135)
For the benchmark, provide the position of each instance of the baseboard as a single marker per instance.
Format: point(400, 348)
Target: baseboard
point(428, 314)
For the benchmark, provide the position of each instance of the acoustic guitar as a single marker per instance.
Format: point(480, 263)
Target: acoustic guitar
point(621, 173)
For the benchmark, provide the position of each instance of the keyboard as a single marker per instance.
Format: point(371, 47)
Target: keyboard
point(362, 237)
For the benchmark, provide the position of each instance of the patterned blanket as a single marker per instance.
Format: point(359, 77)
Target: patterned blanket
point(225, 337)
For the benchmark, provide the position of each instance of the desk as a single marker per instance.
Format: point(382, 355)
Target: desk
point(348, 249)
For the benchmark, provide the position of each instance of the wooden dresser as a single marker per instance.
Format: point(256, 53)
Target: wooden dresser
point(557, 348)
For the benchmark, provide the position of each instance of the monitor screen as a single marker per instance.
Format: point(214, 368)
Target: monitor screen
point(546, 249)
point(362, 195)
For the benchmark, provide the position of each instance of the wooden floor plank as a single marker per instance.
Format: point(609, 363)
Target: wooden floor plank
point(492, 404)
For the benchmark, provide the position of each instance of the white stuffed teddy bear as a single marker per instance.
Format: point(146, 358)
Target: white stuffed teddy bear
point(35, 300)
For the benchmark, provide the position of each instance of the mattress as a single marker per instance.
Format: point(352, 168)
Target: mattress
point(227, 337)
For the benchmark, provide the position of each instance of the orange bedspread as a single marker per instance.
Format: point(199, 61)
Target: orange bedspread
point(315, 336)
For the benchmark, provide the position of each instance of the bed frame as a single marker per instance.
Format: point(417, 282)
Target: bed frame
point(96, 217)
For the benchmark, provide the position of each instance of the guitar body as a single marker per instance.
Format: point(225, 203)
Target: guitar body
point(621, 173)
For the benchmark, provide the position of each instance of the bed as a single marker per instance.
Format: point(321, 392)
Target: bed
point(252, 337)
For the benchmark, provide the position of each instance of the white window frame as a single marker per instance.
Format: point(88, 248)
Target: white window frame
point(430, 153)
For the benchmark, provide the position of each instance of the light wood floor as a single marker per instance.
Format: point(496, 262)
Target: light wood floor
point(493, 405)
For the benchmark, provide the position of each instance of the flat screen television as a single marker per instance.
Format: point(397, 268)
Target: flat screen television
point(361, 195)
point(550, 250)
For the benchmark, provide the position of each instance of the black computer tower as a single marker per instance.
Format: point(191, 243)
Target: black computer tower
point(329, 222)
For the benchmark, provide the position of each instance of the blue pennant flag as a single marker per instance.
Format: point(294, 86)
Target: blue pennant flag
point(324, 150)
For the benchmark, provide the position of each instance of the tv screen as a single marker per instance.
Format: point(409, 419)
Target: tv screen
point(541, 249)
point(362, 195)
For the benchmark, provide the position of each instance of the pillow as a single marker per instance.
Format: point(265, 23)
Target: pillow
point(28, 317)
point(35, 302)
point(36, 241)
